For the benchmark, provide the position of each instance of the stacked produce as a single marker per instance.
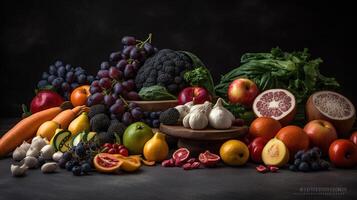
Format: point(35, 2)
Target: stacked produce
point(104, 128)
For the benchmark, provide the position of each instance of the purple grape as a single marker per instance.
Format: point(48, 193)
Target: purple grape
point(51, 78)
point(128, 40)
point(95, 83)
point(70, 77)
point(57, 82)
point(142, 56)
point(114, 73)
point(129, 71)
point(58, 63)
point(115, 56)
point(130, 85)
point(74, 85)
point(119, 101)
point(134, 53)
point(105, 83)
point(104, 65)
point(149, 48)
point(45, 75)
point(42, 83)
point(68, 67)
point(132, 105)
point(118, 88)
point(97, 98)
point(103, 73)
point(90, 79)
point(117, 109)
point(61, 71)
point(127, 119)
point(127, 50)
point(124, 94)
point(94, 89)
point(136, 65)
point(65, 86)
point(115, 96)
point(82, 79)
point(121, 65)
point(114, 116)
point(136, 113)
point(52, 70)
point(155, 123)
point(133, 96)
point(109, 100)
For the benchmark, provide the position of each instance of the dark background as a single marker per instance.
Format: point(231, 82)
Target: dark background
point(34, 34)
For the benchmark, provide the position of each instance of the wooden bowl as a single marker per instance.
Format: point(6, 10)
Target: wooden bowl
point(151, 106)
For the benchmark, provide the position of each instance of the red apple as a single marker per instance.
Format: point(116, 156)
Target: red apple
point(242, 91)
point(45, 99)
point(353, 137)
point(343, 153)
point(256, 148)
point(196, 94)
point(321, 134)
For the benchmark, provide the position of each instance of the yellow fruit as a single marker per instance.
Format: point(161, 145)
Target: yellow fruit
point(275, 153)
point(130, 163)
point(80, 124)
point(47, 129)
point(156, 149)
point(234, 152)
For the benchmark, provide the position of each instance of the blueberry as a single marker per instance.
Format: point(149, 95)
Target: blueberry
point(153, 115)
point(82, 79)
point(315, 166)
point(314, 155)
point(324, 165)
point(80, 150)
point(90, 78)
point(58, 63)
point(42, 83)
point(51, 78)
point(293, 168)
point(68, 67)
point(155, 123)
point(146, 114)
point(299, 154)
point(69, 165)
point(317, 150)
point(62, 163)
point(52, 70)
point(45, 75)
point(70, 77)
point(67, 156)
point(306, 157)
point(297, 162)
point(61, 71)
point(77, 170)
point(86, 167)
point(304, 167)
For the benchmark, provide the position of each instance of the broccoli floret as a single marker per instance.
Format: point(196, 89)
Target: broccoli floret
point(100, 122)
point(170, 116)
point(116, 127)
point(96, 109)
point(163, 68)
point(104, 137)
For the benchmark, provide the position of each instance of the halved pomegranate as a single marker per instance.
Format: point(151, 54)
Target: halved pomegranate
point(208, 159)
point(180, 156)
point(278, 104)
point(332, 107)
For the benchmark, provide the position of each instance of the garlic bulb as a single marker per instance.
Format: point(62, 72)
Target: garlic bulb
point(49, 167)
point(185, 121)
point(220, 117)
point(47, 151)
point(183, 110)
point(198, 120)
point(38, 143)
point(30, 162)
point(18, 170)
point(33, 152)
point(206, 106)
point(25, 146)
point(18, 154)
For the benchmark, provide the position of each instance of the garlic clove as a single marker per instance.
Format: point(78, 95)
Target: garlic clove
point(18, 170)
point(47, 151)
point(57, 156)
point(49, 167)
point(33, 152)
point(38, 144)
point(31, 162)
point(18, 154)
point(25, 146)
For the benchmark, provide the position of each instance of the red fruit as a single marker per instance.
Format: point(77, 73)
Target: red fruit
point(191, 160)
point(256, 148)
point(195, 165)
point(112, 151)
point(273, 168)
point(108, 145)
point(242, 91)
point(209, 159)
point(105, 150)
point(121, 146)
point(343, 153)
point(180, 155)
point(278, 104)
point(167, 163)
point(187, 166)
point(261, 169)
point(124, 152)
point(196, 94)
point(353, 137)
point(44, 100)
point(116, 146)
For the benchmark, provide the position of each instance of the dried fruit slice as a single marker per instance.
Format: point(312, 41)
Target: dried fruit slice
point(180, 156)
point(332, 107)
point(209, 159)
point(106, 163)
point(262, 169)
point(275, 153)
point(130, 163)
point(278, 104)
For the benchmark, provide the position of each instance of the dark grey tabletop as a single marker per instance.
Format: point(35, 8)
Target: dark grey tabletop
point(175, 183)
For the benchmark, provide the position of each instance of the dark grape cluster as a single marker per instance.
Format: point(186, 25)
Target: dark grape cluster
point(79, 159)
point(310, 160)
point(115, 80)
point(64, 78)
point(152, 119)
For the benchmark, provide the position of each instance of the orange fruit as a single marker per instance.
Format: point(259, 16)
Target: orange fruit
point(294, 138)
point(80, 95)
point(106, 163)
point(130, 163)
point(264, 127)
point(234, 152)
point(156, 149)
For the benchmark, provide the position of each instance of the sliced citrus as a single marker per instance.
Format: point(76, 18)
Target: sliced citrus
point(130, 163)
point(107, 163)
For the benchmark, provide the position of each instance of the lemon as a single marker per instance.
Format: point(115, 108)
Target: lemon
point(234, 152)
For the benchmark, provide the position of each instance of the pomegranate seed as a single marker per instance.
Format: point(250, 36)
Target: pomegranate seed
point(112, 151)
point(261, 169)
point(108, 145)
point(121, 146)
point(124, 152)
point(273, 168)
point(191, 160)
point(195, 165)
point(178, 163)
point(167, 163)
point(172, 162)
point(187, 166)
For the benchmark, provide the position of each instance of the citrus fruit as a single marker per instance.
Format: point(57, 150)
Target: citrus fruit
point(135, 137)
point(234, 152)
point(47, 129)
point(130, 163)
point(79, 95)
point(106, 163)
point(156, 149)
point(266, 127)
point(208, 159)
point(294, 138)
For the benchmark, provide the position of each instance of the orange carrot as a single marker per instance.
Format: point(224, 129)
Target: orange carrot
point(25, 129)
point(65, 117)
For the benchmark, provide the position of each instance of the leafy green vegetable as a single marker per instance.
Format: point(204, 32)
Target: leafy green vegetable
point(155, 92)
point(293, 71)
point(200, 76)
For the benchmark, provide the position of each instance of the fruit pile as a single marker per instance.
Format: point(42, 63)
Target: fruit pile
point(103, 128)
